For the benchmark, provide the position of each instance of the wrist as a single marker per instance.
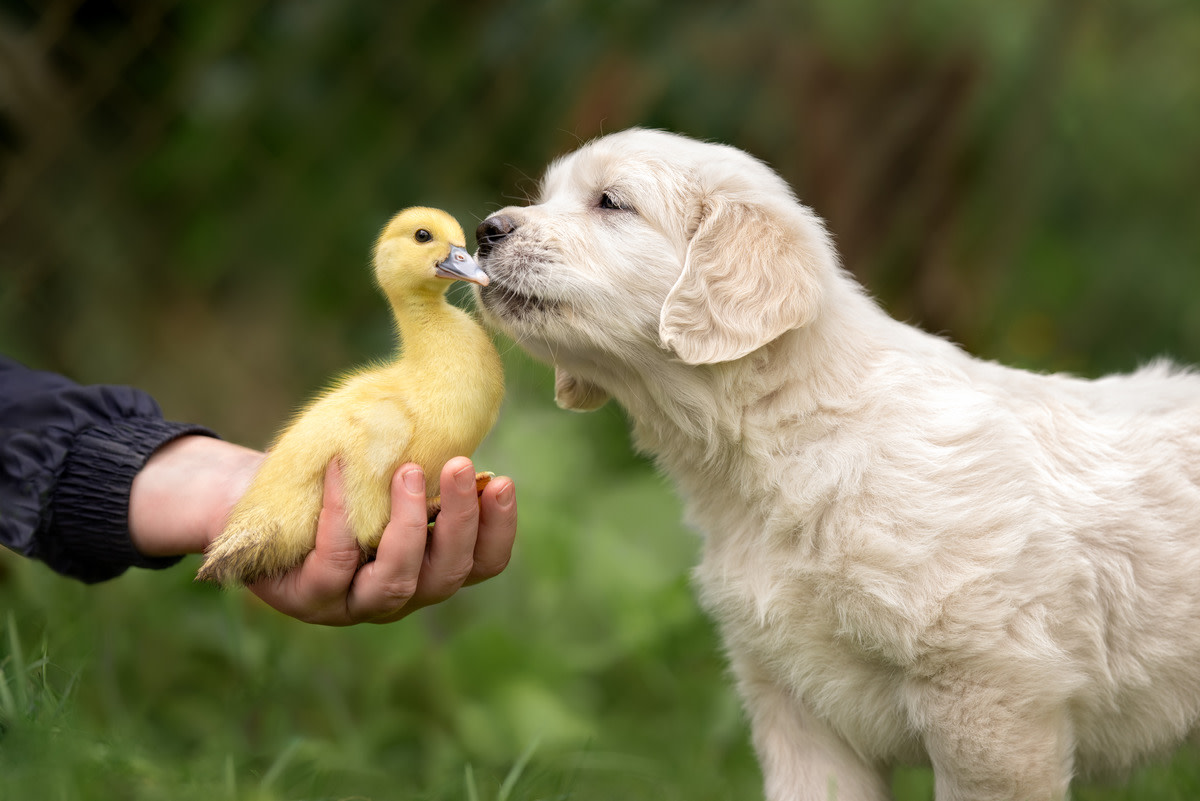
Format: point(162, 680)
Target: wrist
point(182, 496)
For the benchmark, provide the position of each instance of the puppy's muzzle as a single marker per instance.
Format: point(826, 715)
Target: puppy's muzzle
point(492, 232)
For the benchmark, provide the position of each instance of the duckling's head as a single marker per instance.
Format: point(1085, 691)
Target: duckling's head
point(422, 250)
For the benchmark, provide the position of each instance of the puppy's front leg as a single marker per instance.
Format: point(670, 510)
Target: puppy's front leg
point(988, 743)
point(801, 757)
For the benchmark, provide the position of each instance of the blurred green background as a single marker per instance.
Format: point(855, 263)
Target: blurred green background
point(188, 195)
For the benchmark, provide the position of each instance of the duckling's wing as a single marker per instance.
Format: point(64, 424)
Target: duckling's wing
point(387, 436)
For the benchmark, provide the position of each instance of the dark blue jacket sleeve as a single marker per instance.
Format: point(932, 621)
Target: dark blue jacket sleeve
point(68, 456)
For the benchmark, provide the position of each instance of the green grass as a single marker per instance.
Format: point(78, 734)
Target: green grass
point(159, 691)
point(584, 672)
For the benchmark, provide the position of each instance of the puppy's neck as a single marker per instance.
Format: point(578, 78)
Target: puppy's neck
point(728, 416)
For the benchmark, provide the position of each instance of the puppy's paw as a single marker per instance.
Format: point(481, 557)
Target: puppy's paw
point(576, 395)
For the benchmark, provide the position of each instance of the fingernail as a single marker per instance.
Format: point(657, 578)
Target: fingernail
point(505, 496)
point(414, 480)
point(465, 478)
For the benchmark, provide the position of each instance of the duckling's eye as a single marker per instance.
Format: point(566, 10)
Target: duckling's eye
point(422, 235)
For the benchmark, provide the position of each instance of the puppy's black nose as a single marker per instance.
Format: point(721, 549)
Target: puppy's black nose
point(493, 231)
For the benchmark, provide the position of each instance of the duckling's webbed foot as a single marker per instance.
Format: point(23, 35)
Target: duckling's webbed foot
point(434, 504)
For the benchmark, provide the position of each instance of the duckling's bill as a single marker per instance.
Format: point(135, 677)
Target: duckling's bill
point(459, 266)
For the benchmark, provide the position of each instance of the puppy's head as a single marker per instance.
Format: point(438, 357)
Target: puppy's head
point(646, 246)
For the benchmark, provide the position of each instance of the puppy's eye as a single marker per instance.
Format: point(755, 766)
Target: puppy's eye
point(422, 235)
point(607, 202)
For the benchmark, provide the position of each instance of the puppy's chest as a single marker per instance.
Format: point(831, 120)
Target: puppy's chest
point(789, 620)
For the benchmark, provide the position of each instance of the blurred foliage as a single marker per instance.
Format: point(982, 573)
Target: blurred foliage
point(188, 195)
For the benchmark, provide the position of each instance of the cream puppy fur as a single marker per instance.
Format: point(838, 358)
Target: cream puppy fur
point(913, 555)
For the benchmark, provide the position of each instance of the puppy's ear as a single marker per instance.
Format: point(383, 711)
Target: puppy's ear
point(751, 274)
point(575, 394)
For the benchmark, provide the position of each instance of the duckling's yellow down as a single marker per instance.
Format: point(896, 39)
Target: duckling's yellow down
point(436, 400)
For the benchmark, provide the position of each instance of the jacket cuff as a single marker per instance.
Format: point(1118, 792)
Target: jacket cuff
point(90, 508)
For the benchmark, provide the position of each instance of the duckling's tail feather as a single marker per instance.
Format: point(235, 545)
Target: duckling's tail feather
point(246, 553)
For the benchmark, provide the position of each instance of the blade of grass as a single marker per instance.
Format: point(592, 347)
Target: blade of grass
point(280, 764)
point(61, 699)
point(8, 705)
point(39, 679)
point(230, 779)
point(20, 691)
point(514, 774)
point(469, 780)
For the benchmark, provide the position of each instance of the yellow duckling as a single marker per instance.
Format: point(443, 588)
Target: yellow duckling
point(436, 400)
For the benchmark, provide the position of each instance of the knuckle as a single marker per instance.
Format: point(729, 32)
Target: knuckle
point(344, 560)
point(396, 592)
point(490, 568)
point(454, 575)
point(449, 580)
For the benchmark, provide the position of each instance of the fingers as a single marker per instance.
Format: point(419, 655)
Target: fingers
point(471, 541)
point(414, 566)
point(497, 530)
point(383, 589)
point(443, 562)
point(451, 555)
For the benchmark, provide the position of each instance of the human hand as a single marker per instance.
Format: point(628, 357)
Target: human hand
point(414, 566)
point(183, 495)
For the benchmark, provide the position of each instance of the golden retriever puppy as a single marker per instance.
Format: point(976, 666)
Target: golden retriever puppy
point(914, 556)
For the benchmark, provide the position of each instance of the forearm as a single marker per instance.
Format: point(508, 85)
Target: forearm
point(68, 458)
